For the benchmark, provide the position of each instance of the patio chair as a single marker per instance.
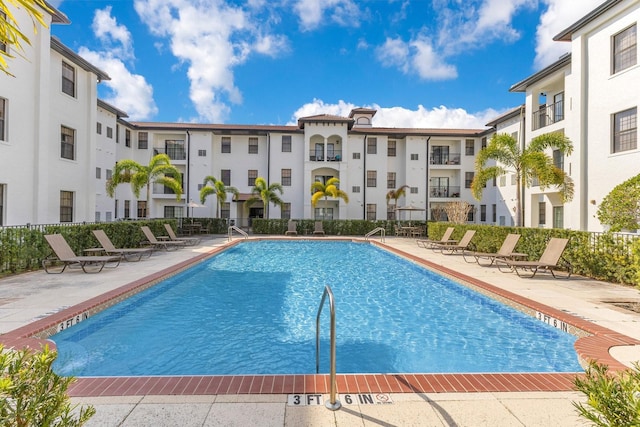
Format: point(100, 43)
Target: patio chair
point(292, 229)
point(460, 247)
point(427, 243)
point(505, 252)
point(167, 245)
point(173, 238)
point(129, 254)
point(548, 260)
point(65, 255)
point(318, 229)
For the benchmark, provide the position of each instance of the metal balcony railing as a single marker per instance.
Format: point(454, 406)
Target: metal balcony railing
point(547, 115)
point(174, 153)
point(445, 192)
point(445, 158)
point(332, 156)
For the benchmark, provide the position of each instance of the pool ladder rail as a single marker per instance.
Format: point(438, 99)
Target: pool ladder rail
point(380, 230)
point(333, 403)
point(239, 230)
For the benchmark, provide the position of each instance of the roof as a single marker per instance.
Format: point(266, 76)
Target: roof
point(402, 132)
point(111, 108)
point(324, 118)
point(355, 111)
point(521, 86)
point(222, 129)
point(566, 35)
point(57, 17)
point(514, 112)
point(77, 59)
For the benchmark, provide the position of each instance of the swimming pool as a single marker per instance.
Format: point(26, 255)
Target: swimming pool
point(257, 316)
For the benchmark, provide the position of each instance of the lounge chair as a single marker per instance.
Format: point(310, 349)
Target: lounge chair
point(292, 229)
point(65, 255)
point(318, 230)
point(548, 260)
point(173, 238)
point(129, 254)
point(427, 243)
point(167, 245)
point(505, 252)
point(452, 248)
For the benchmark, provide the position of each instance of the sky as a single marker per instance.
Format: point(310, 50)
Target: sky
point(423, 63)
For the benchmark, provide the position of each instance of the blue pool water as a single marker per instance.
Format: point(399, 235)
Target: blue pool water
point(252, 310)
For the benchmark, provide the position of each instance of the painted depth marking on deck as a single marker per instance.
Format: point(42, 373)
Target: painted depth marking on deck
point(345, 399)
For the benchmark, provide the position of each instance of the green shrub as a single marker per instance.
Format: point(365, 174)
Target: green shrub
point(613, 400)
point(31, 394)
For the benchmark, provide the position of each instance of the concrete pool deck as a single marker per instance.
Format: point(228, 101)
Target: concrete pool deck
point(29, 297)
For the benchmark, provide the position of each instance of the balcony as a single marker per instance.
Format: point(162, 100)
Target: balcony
point(332, 156)
point(445, 158)
point(547, 115)
point(174, 153)
point(445, 192)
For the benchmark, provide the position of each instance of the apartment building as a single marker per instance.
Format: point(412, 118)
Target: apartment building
point(59, 144)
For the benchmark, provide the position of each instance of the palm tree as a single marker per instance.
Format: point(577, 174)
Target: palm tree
point(527, 165)
point(396, 194)
point(326, 190)
point(219, 189)
point(265, 192)
point(160, 171)
point(11, 34)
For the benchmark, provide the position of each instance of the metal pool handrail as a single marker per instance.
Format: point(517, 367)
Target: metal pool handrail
point(232, 228)
point(333, 403)
point(374, 231)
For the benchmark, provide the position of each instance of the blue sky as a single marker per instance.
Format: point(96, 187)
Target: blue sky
point(427, 63)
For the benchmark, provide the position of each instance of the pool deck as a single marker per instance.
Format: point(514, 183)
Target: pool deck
point(27, 302)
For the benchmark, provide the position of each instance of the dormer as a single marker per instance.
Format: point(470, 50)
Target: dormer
point(362, 117)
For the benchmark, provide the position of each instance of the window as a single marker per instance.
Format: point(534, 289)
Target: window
point(66, 206)
point(371, 211)
point(108, 174)
point(252, 175)
point(226, 144)
point(117, 134)
point(175, 149)
point(67, 142)
point(514, 181)
point(253, 145)
point(97, 216)
point(142, 208)
point(558, 217)
point(225, 176)
point(143, 140)
point(225, 210)
point(2, 204)
point(3, 120)
point(625, 53)
point(391, 212)
point(493, 213)
point(503, 180)
point(356, 156)
point(542, 213)
point(483, 213)
point(355, 189)
point(483, 142)
point(413, 190)
point(414, 156)
point(109, 132)
point(391, 148)
point(3, 48)
point(372, 178)
point(323, 213)
point(558, 159)
point(468, 179)
point(286, 211)
point(173, 211)
point(285, 177)
point(127, 138)
point(469, 147)
point(286, 143)
point(391, 180)
point(471, 215)
point(372, 145)
point(68, 79)
point(107, 216)
point(98, 173)
point(202, 153)
point(625, 130)
point(127, 208)
point(99, 128)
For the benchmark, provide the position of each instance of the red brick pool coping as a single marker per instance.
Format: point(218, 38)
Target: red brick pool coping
point(594, 345)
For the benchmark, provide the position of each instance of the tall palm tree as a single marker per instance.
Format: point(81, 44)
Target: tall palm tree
point(396, 194)
point(11, 34)
point(527, 165)
point(266, 193)
point(325, 190)
point(159, 171)
point(219, 189)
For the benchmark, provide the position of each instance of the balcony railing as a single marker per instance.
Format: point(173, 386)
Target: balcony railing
point(547, 115)
point(174, 153)
point(161, 189)
point(332, 156)
point(445, 158)
point(445, 192)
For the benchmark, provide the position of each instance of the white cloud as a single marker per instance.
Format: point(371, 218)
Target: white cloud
point(212, 38)
point(558, 17)
point(129, 91)
point(400, 117)
point(417, 56)
point(312, 13)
